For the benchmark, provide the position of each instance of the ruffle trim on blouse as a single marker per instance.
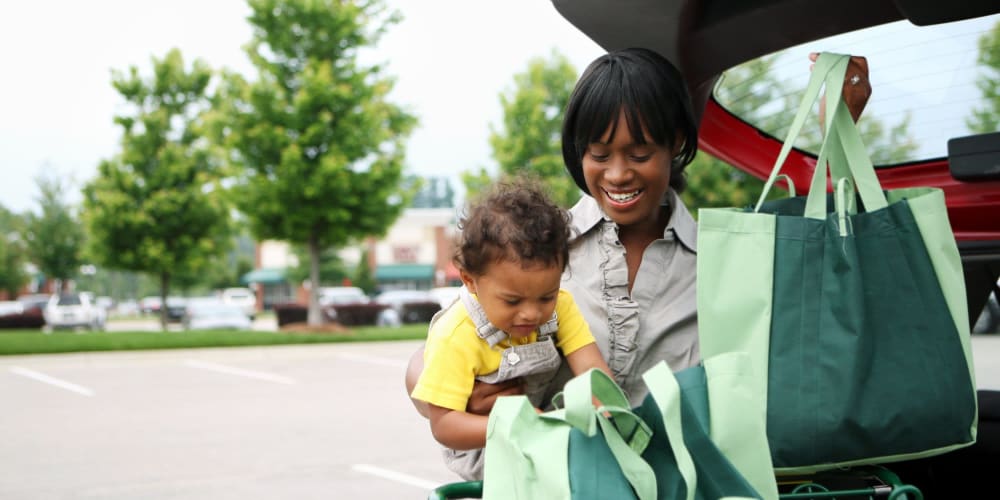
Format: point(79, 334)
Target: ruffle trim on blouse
point(623, 312)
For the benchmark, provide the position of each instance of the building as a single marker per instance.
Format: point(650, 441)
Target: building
point(416, 251)
point(414, 254)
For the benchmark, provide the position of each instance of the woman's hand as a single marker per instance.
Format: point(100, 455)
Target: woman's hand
point(485, 395)
point(857, 87)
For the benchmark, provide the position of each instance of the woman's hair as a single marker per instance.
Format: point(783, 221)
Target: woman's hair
point(655, 99)
point(514, 221)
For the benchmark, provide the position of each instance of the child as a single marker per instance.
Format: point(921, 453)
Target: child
point(511, 315)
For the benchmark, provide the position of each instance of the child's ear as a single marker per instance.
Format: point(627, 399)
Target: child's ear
point(468, 280)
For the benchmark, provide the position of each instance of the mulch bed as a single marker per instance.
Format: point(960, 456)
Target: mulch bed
point(324, 328)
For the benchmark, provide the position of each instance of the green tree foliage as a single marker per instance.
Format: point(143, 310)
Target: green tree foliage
point(332, 270)
point(754, 92)
point(528, 139)
point(987, 118)
point(13, 256)
point(363, 276)
point(320, 144)
point(155, 207)
point(433, 192)
point(54, 237)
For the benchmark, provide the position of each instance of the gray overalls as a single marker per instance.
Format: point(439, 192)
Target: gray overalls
point(535, 363)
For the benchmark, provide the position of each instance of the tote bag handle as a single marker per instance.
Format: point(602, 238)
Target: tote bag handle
point(843, 141)
point(829, 69)
point(666, 393)
point(627, 437)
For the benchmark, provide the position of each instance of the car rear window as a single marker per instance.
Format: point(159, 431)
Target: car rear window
point(929, 84)
point(69, 300)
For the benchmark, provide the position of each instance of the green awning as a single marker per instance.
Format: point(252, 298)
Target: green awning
point(400, 272)
point(268, 276)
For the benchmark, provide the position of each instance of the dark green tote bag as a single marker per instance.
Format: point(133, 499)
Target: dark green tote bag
point(853, 302)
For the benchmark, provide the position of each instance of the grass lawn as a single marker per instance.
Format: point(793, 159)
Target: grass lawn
point(37, 342)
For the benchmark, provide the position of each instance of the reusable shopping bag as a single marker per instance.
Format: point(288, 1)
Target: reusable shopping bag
point(722, 423)
point(853, 305)
point(575, 452)
point(660, 450)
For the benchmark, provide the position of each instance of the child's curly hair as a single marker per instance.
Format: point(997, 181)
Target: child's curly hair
point(515, 221)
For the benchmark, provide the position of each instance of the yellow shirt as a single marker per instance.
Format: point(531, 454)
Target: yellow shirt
point(455, 355)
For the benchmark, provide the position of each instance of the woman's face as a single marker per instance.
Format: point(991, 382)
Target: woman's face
point(628, 180)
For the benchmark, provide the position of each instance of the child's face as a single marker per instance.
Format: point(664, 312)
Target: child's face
point(517, 298)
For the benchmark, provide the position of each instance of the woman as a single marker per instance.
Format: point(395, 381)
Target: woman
point(628, 133)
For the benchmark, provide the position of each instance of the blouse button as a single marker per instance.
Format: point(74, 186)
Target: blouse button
point(513, 358)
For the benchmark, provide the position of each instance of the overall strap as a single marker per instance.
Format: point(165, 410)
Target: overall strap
point(484, 329)
point(490, 333)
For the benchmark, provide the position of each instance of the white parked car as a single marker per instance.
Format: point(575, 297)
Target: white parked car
point(445, 295)
point(333, 295)
point(243, 298)
point(74, 310)
point(214, 314)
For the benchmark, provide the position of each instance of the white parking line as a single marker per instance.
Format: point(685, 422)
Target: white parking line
point(41, 377)
point(232, 370)
point(399, 477)
point(394, 363)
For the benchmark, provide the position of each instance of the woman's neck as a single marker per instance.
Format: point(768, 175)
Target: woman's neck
point(646, 231)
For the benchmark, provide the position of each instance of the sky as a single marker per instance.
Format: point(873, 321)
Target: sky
point(451, 59)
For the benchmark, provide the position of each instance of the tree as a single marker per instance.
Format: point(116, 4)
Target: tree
point(363, 276)
point(987, 118)
point(754, 92)
point(54, 237)
point(331, 267)
point(13, 256)
point(320, 146)
point(529, 138)
point(155, 207)
point(433, 192)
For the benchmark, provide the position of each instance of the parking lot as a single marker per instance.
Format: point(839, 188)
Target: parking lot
point(318, 421)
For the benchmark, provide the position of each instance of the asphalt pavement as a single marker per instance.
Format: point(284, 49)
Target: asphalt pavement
point(317, 421)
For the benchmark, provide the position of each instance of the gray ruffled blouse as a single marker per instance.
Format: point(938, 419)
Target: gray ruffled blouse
point(657, 321)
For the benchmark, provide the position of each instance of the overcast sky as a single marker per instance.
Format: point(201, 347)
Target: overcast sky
point(451, 59)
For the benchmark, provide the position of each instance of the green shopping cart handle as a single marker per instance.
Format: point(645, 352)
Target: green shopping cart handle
point(467, 489)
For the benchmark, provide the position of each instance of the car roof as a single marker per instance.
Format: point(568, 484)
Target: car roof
point(706, 37)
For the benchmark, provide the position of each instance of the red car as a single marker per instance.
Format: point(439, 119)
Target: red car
point(932, 120)
point(929, 77)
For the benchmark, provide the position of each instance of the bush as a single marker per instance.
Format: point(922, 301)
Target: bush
point(356, 314)
point(31, 318)
point(419, 312)
point(346, 314)
point(290, 313)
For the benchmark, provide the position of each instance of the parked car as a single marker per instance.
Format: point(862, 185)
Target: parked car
point(214, 314)
point(342, 295)
point(11, 314)
point(150, 304)
point(73, 310)
point(445, 295)
point(244, 298)
point(29, 312)
point(176, 307)
point(406, 306)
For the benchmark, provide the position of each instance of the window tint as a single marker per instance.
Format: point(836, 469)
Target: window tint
point(930, 83)
point(69, 300)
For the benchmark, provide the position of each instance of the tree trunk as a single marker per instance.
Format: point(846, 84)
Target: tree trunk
point(315, 317)
point(164, 292)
